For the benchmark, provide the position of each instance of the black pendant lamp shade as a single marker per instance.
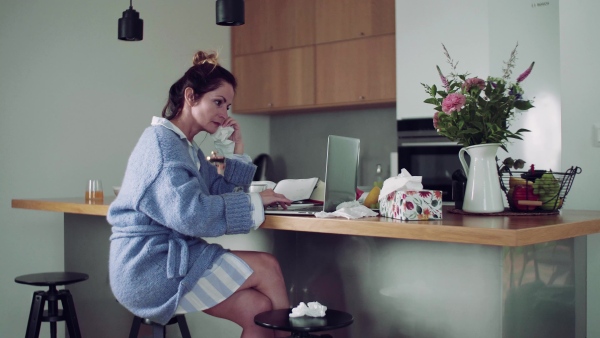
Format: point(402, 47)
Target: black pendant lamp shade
point(131, 27)
point(230, 12)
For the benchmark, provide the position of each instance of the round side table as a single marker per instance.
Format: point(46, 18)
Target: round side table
point(300, 327)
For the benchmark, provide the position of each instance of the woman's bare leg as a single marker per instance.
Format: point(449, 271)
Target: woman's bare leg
point(264, 290)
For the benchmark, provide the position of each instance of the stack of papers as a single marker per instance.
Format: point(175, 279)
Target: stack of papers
point(293, 189)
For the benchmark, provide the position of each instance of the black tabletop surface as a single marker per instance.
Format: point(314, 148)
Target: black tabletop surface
point(280, 320)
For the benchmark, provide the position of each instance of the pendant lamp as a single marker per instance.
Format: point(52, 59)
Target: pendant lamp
point(230, 12)
point(131, 27)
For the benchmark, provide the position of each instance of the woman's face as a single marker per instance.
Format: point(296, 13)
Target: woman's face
point(211, 110)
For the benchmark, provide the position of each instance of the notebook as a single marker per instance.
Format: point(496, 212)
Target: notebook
point(341, 173)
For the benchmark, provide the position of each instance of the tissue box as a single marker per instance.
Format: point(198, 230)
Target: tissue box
point(411, 205)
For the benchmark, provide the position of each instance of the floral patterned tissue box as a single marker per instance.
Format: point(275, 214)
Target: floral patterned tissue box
point(409, 205)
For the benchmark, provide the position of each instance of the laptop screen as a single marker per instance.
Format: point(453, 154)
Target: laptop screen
point(341, 172)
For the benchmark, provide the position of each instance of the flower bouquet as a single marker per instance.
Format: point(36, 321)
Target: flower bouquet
point(477, 114)
point(472, 111)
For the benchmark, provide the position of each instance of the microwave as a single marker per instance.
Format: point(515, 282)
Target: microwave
point(423, 152)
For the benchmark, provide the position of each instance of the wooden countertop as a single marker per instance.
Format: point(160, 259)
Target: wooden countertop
point(454, 228)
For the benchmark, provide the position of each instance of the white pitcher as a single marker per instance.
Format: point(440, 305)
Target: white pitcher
point(483, 193)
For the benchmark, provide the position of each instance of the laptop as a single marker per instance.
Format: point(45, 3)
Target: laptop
point(341, 174)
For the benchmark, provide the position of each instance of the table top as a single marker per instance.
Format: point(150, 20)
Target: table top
point(454, 228)
point(280, 320)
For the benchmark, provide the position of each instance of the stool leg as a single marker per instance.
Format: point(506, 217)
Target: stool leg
point(135, 327)
point(183, 327)
point(35, 314)
point(159, 331)
point(69, 313)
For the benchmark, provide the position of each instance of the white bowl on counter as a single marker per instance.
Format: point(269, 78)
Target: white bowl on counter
point(116, 190)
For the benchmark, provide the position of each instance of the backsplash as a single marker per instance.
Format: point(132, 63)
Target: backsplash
point(298, 142)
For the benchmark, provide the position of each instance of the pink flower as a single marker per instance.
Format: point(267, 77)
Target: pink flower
point(473, 82)
point(525, 73)
point(436, 119)
point(443, 78)
point(409, 206)
point(453, 102)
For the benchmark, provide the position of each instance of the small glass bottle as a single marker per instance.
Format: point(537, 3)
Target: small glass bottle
point(378, 178)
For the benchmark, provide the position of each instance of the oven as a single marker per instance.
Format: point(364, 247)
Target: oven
point(423, 152)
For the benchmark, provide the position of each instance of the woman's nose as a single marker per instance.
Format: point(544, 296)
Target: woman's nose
point(223, 113)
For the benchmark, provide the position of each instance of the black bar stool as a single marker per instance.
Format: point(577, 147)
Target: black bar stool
point(158, 330)
point(37, 314)
point(300, 327)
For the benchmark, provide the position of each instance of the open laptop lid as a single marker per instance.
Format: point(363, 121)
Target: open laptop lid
point(341, 171)
point(341, 175)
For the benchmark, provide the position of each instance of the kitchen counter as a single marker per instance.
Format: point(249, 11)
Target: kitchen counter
point(511, 231)
point(459, 277)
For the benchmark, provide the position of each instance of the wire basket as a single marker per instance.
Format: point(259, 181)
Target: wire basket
point(536, 191)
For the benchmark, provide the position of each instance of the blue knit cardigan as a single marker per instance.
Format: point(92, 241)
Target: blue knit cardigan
point(164, 207)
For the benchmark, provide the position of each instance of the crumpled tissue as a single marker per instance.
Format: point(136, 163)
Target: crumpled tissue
point(404, 181)
point(223, 144)
point(313, 309)
point(349, 210)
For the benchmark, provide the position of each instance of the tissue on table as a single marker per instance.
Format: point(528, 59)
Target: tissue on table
point(313, 309)
point(403, 197)
point(349, 210)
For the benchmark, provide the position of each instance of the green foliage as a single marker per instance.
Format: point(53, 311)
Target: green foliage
point(489, 106)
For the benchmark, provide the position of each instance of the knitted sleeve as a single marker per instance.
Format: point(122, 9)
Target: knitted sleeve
point(178, 200)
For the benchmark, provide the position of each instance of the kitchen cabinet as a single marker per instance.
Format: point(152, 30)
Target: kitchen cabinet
point(274, 25)
point(314, 55)
point(356, 71)
point(350, 19)
point(279, 79)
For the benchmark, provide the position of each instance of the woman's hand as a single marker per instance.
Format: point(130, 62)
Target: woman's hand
point(236, 136)
point(271, 198)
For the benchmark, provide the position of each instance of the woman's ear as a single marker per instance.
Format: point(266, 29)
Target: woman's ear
point(188, 93)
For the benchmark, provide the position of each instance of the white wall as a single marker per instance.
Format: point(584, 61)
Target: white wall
point(536, 29)
point(73, 101)
point(421, 29)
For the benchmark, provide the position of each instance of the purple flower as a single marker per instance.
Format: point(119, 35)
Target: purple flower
point(443, 78)
point(436, 119)
point(515, 93)
point(525, 73)
point(453, 102)
point(473, 82)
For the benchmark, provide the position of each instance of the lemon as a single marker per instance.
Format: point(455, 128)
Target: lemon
point(372, 197)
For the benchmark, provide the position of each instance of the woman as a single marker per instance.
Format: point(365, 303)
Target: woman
point(171, 197)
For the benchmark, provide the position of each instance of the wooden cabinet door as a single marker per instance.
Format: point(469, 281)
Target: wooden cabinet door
point(292, 23)
point(338, 20)
point(253, 36)
point(275, 80)
point(360, 70)
point(273, 25)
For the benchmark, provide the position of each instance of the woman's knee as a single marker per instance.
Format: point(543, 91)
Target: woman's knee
point(270, 266)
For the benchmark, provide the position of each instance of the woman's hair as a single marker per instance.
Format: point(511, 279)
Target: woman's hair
point(204, 76)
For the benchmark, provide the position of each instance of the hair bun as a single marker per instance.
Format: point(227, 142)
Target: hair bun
point(202, 57)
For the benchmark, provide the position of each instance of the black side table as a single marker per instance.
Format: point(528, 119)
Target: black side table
point(300, 327)
point(37, 314)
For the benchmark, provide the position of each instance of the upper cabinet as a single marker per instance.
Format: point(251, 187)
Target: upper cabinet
point(356, 71)
point(278, 80)
point(350, 19)
point(314, 54)
point(274, 24)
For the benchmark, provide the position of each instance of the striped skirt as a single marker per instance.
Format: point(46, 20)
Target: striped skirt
point(227, 274)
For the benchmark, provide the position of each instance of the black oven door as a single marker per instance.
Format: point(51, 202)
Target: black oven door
point(423, 152)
